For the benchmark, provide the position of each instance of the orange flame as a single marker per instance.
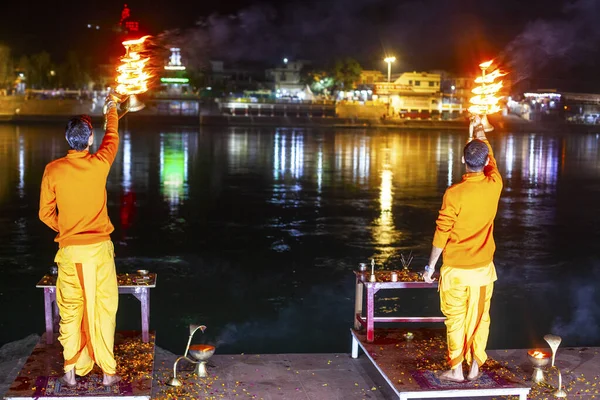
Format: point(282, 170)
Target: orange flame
point(486, 101)
point(538, 354)
point(132, 78)
point(485, 65)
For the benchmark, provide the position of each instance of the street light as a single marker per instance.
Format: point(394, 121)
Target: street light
point(389, 61)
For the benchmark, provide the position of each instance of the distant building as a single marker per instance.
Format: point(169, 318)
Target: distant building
point(412, 95)
point(370, 77)
point(286, 79)
point(233, 80)
point(174, 80)
point(553, 105)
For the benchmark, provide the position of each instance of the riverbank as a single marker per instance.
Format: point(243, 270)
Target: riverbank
point(18, 110)
point(140, 120)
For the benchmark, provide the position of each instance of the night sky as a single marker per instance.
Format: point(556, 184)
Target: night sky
point(545, 37)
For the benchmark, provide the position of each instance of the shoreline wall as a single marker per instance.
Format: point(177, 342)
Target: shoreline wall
point(18, 110)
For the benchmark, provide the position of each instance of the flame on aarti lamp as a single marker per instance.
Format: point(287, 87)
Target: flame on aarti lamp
point(486, 102)
point(132, 78)
point(538, 354)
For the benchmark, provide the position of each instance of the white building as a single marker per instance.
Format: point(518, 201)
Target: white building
point(412, 95)
point(286, 79)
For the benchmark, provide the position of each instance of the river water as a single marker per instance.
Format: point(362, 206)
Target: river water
point(255, 232)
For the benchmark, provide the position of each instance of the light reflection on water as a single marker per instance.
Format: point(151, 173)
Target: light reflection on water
point(255, 232)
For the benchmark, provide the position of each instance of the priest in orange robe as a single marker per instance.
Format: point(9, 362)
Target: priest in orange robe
point(465, 235)
point(73, 203)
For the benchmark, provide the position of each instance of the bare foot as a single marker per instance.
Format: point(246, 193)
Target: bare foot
point(110, 380)
point(69, 378)
point(474, 372)
point(453, 375)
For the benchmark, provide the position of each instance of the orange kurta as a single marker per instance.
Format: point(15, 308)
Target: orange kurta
point(465, 231)
point(76, 186)
point(73, 203)
point(465, 225)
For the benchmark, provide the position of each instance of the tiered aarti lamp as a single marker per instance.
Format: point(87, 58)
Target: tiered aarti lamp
point(200, 353)
point(485, 101)
point(133, 76)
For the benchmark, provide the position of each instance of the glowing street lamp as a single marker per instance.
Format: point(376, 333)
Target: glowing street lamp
point(389, 61)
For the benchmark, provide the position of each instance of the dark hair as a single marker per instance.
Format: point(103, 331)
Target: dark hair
point(78, 132)
point(476, 154)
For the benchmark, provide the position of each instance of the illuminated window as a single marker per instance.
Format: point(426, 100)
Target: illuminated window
point(417, 83)
point(431, 83)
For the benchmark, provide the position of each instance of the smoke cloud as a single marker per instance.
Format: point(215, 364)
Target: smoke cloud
point(559, 44)
point(584, 326)
point(524, 37)
point(420, 33)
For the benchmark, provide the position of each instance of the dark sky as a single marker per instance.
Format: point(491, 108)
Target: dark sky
point(423, 34)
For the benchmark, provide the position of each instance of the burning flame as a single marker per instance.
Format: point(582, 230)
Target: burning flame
point(486, 65)
point(538, 354)
point(132, 78)
point(486, 102)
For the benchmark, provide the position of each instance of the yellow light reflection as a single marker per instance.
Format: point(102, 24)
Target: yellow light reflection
point(384, 233)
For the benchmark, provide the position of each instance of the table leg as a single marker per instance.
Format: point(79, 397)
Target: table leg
point(370, 313)
point(358, 303)
point(354, 347)
point(48, 316)
point(56, 316)
point(145, 300)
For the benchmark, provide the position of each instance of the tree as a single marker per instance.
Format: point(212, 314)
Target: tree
point(40, 67)
point(346, 73)
point(318, 80)
point(72, 73)
point(6, 68)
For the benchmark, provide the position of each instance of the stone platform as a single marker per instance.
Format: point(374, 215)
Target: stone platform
point(39, 377)
point(412, 360)
point(320, 376)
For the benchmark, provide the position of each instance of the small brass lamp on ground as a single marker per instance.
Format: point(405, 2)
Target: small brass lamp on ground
point(200, 355)
point(539, 359)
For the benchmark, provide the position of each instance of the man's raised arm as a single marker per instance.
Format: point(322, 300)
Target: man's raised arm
point(110, 143)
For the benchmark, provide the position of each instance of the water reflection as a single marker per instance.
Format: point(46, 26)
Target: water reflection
point(384, 233)
point(127, 162)
point(174, 160)
point(327, 199)
point(21, 186)
point(288, 148)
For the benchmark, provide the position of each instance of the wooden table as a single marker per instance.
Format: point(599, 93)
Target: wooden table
point(406, 280)
point(134, 284)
